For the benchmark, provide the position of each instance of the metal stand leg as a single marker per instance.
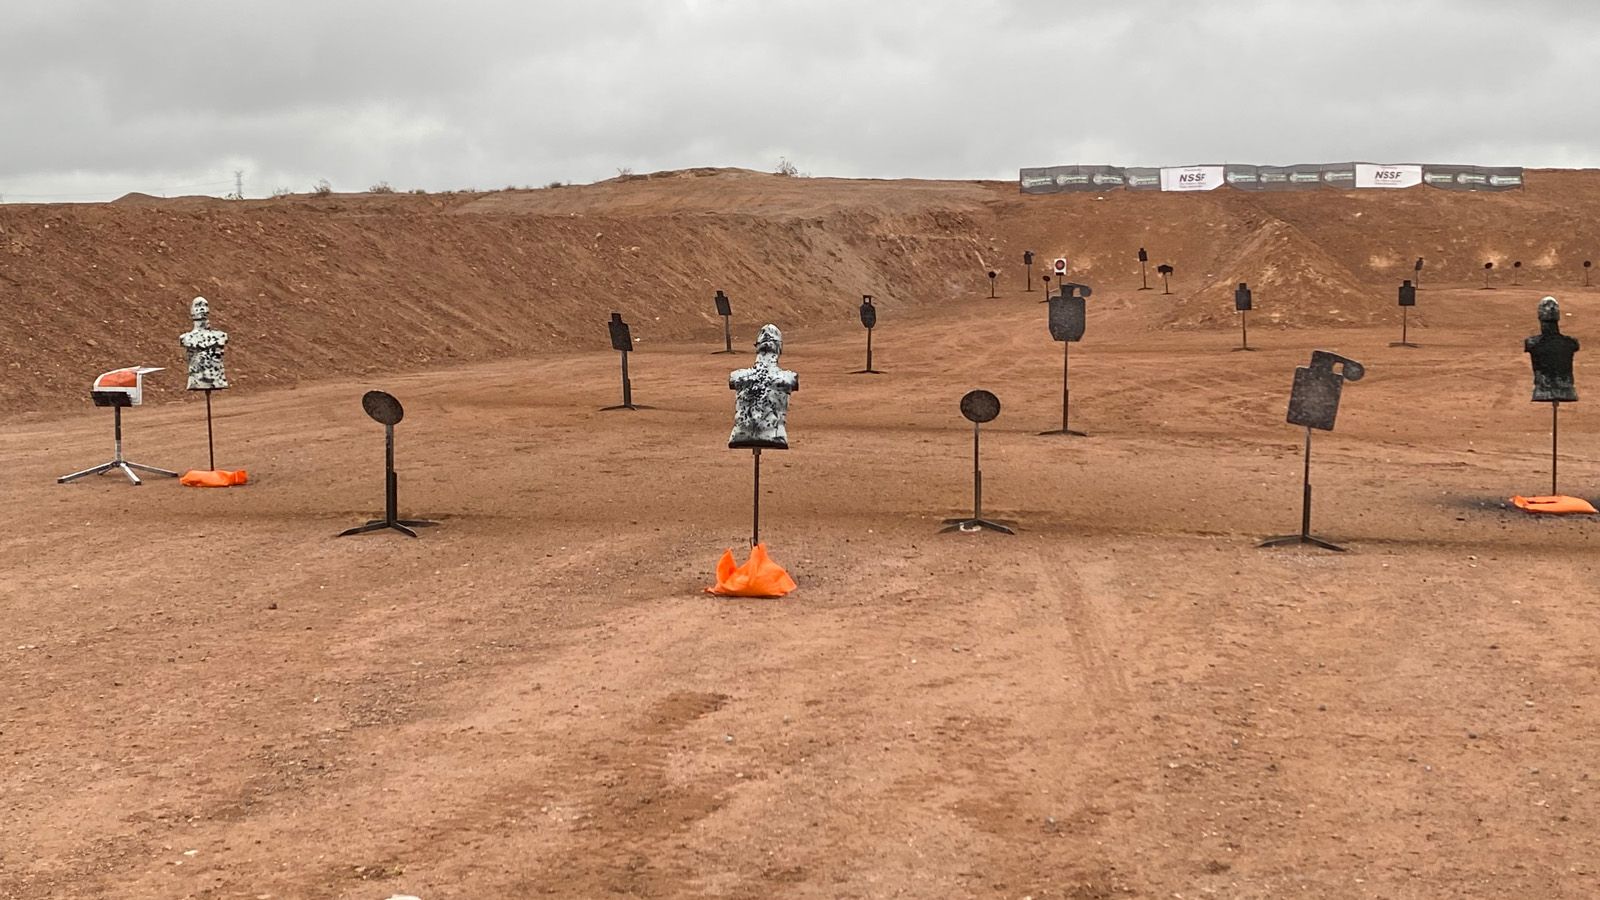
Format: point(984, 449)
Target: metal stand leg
point(869, 370)
point(1305, 536)
point(1144, 281)
point(727, 337)
point(391, 498)
point(211, 444)
point(627, 390)
point(1244, 332)
point(117, 462)
point(977, 522)
point(755, 521)
point(1555, 437)
point(1066, 394)
point(1405, 320)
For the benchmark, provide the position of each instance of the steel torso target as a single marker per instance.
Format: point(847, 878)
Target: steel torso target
point(1066, 318)
point(980, 406)
point(621, 336)
point(724, 305)
point(1314, 399)
point(1408, 293)
point(869, 314)
point(1243, 300)
point(383, 407)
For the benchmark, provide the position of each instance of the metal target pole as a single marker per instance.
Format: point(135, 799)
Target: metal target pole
point(755, 525)
point(211, 446)
point(1305, 502)
point(1555, 433)
point(977, 475)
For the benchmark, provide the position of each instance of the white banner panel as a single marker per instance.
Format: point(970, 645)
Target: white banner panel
point(1191, 178)
point(1369, 175)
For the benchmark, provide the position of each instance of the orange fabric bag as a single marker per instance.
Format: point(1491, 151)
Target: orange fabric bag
point(214, 478)
point(758, 577)
point(1557, 505)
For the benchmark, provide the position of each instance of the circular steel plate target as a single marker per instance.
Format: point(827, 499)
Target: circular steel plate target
point(980, 406)
point(383, 407)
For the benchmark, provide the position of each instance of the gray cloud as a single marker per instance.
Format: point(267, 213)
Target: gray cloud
point(103, 97)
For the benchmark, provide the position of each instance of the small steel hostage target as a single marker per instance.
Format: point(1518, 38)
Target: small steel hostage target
point(1243, 302)
point(992, 276)
point(1144, 284)
point(1487, 268)
point(1516, 273)
point(1046, 279)
point(869, 321)
point(1027, 264)
point(1165, 271)
point(1417, 272)
point(1067, 320)
point(1408, 299)
point(1314, 403)
point(725, 310)
point(387, 411)
point(622, 342)
point(1586, 265)
point(978, 407)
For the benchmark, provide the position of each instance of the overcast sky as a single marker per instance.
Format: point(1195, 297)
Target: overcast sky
point(102, 97)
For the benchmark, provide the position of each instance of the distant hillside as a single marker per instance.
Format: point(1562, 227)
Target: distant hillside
point(315, 287)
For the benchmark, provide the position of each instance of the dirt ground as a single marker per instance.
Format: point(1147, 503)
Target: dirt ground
point(208, 694)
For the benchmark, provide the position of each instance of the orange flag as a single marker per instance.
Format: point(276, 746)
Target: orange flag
point(758, 577)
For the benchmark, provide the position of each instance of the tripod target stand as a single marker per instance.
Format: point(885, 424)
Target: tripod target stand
point(118, 389)
point(978, 407)
point(385, 409)
point(117, 402)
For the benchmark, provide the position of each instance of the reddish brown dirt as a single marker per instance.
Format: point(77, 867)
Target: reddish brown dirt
point(207, 694)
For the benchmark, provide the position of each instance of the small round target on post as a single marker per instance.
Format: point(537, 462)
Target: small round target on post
point(383, 407)
point(980, 406)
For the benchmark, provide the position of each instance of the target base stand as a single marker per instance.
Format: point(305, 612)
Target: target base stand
point(977, 522)
point(1244, 333)
point(869, 370)
point(1404, 323)
point(1066, 396)
point(727, 337)
point(387, 410)
point(117, 461)
point(1305, 536)
point(390, 518)
point(627, 391)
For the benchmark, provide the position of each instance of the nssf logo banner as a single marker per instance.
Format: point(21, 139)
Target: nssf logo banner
point(1192, 178)
point(1371, 175)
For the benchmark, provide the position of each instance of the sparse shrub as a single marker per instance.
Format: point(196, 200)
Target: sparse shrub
point(786, 168)
point(625, 172)
point(278, 193)
point(323, 188)
point(555, 184)
point(418, 191)
point(381, 187)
